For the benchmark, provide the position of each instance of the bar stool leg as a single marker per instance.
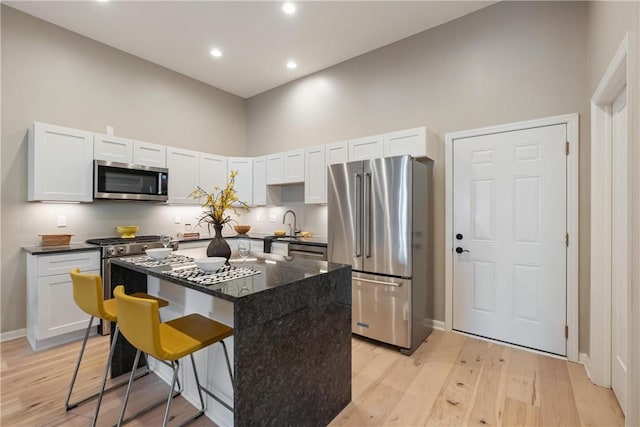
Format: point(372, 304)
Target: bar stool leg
point(75, 372)
point(126, 395)
point(106, 372)
point(195, 374)
point(175, 365)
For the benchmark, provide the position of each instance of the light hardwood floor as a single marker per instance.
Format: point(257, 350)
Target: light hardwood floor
point(450, 380)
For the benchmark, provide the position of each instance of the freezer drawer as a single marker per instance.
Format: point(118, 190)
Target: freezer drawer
point(382, 308)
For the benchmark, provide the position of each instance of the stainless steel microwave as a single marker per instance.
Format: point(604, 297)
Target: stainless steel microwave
point(124, 181)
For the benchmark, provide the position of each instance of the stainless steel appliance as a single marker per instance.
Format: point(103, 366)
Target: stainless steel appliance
point(380, 222)
point(116, 247)
point(316, 252)
point(124, 181)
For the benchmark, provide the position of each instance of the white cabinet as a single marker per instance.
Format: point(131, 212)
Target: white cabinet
point(112, 148)
point(275, 169)
point(123, 150)
point(315, 175)
point(259, 181)
point(244, 179)
point(285, 168)
point(60, 164)
point(213, 172)
point(53, 317)
point(370, 147)
point(184, 175)
point(337, 152)
point(294, 166)
point(148, 154)
point(408, 141)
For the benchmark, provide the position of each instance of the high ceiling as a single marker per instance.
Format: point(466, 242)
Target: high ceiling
point(256, 39)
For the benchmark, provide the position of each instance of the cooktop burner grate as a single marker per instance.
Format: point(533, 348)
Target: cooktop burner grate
point(120, 241)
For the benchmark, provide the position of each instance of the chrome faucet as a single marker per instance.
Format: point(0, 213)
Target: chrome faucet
point(292, 231)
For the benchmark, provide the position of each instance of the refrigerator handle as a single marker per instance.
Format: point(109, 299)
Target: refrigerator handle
point(357, 190)
point(367, 214)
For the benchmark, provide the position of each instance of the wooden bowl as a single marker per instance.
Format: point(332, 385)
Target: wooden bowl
point(242, 229)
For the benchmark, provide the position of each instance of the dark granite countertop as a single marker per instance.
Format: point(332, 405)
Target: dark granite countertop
point(313, 241)
point(275, 272)
point(46, 250)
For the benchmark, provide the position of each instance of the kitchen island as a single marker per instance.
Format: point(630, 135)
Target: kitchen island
point(291, 348)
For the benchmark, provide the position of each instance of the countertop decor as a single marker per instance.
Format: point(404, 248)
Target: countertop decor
point(216, 205)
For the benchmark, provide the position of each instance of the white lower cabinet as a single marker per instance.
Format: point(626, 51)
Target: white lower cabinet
point(53, 318)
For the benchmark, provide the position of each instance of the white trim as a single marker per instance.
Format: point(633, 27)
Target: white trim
point(572, 123)
point(584, 359)
point(436, 324)
point(12, 335)
point(612, 82)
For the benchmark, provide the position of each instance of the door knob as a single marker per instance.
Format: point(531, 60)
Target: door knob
point(459, 236)
point(460, 250)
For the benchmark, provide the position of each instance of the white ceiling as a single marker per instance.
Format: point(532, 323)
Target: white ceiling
point(256, 38)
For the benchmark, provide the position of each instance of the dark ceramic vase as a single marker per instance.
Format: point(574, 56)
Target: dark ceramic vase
point(218, 246)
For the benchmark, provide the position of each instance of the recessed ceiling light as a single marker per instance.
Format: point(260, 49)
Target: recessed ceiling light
point(289, 8)
point(291, 65)
point(216, 53)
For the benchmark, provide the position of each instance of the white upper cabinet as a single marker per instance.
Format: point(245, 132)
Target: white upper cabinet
point(148, 154)
point(184, 175)
point(112, 148)
point(337, 152)
point(294, 166)
point(408, 141)
point(285, 168)
point(244, 179)
point(259, 181)
point(315, 175)
point(275, 169)
point(370, 147)
point(60, 164)
point(213, 172)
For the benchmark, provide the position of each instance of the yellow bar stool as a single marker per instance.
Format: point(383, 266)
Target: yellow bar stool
point(88, 295)
point(170, 341)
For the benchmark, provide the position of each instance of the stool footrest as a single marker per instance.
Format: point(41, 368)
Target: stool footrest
point(217, 399)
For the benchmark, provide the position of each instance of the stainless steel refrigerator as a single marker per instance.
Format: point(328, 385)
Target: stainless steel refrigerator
point(380, 222)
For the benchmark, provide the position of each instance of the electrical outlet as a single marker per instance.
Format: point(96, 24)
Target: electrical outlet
point(272, 217)
point(258, 217)
point(62, 221)
point(177, 219)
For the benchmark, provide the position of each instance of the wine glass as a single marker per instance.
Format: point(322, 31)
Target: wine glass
point(244, 249)
point(166, 240)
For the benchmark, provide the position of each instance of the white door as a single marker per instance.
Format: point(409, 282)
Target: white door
point(620, 248)
point(509, 281)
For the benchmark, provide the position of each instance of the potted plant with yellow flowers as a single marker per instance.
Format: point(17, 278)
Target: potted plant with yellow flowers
point(216, 206)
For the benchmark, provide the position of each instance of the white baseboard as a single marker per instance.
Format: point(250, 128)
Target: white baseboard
point(12, 335)
point(584, 359)
point(436, 324)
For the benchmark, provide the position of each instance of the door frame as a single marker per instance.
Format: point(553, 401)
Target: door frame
point(618, 74)
point(571, 121)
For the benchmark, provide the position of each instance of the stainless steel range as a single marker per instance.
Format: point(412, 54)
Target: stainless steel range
point(116, 247)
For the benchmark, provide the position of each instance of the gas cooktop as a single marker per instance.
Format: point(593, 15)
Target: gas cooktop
point(120, 241)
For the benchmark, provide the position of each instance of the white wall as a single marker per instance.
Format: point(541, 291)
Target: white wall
point(55, 76)
point(509, 62)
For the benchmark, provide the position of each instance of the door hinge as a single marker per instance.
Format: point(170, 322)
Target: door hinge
point(566, 148)
point(566, 331)
point(566, 239)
